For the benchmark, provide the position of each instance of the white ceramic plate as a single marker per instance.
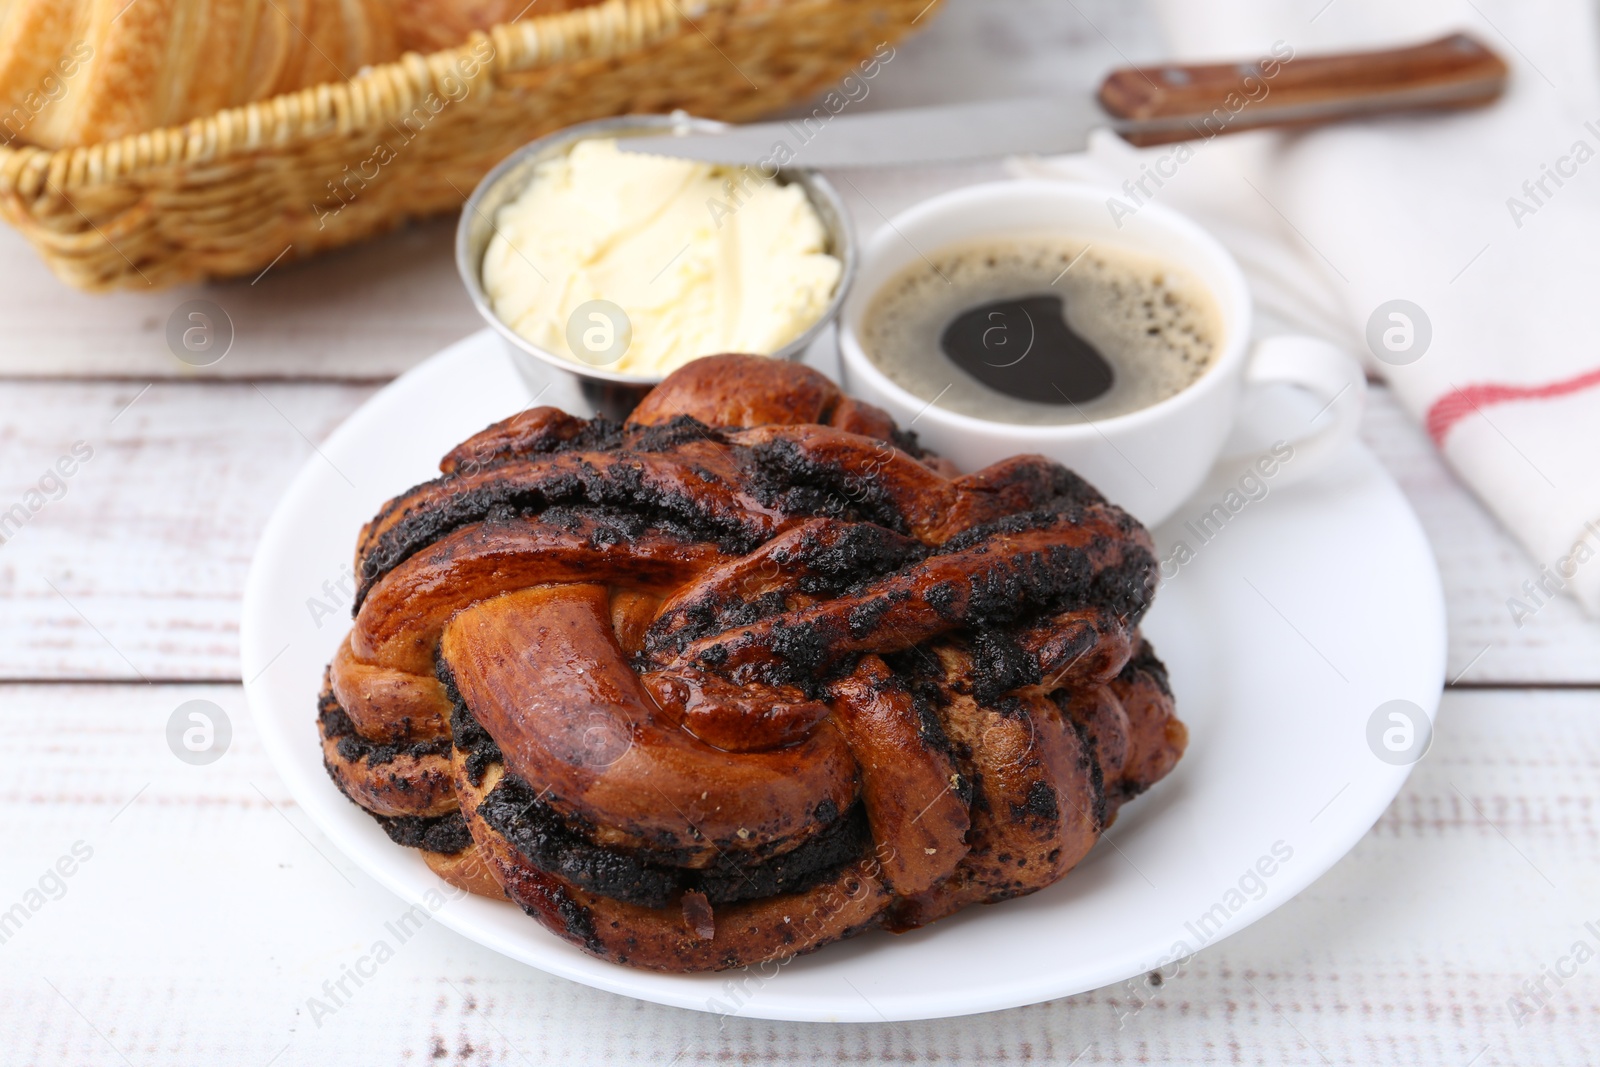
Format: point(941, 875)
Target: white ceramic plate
point(1284, 634)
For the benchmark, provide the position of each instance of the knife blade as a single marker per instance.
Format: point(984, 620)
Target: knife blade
point(911, 135)
point(1146, 106)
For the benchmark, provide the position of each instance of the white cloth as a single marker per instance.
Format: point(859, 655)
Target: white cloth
point(1333, 223)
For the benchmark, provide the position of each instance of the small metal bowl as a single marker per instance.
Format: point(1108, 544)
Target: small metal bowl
point(612, 394)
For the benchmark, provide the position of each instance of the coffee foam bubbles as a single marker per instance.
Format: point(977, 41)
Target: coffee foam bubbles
point(1157, 327)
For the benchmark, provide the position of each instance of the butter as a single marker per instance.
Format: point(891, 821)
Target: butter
point(698, 264)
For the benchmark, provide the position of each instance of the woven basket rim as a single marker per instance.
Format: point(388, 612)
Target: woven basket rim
point(371, 98)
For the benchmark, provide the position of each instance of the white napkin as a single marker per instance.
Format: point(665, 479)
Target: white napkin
point(1331, 225)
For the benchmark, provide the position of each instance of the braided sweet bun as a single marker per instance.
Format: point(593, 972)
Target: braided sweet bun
point(747, 674)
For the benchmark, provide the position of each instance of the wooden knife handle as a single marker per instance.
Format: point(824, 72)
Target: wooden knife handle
point(1165, 104)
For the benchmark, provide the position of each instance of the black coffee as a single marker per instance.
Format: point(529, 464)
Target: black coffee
point(1024, 348)
point(1040, 330)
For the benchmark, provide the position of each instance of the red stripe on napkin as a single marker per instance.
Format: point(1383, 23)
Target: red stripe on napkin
point(1461, 402)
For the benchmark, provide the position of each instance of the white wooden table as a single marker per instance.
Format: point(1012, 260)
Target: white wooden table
point(203, 909)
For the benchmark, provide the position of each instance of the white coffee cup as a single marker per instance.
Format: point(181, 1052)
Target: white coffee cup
point(1150, 460)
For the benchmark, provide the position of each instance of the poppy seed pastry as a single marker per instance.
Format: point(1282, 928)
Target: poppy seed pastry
point(746, 674)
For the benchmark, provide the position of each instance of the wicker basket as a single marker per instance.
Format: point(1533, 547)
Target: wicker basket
point(230, 194)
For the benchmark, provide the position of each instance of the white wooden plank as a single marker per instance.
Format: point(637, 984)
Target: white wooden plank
point(153, 537)
point(136, 568)
point(211, 910)
point(370, 311)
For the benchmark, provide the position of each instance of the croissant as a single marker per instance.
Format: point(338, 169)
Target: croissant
point(747, 674)
point(76, 72)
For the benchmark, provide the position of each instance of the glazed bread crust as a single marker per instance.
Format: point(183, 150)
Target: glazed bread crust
point(747, 674)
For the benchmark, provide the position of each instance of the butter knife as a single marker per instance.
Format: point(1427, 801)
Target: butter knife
point(1145, 105)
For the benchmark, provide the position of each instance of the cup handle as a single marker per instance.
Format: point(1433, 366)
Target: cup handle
point(1325, 371)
